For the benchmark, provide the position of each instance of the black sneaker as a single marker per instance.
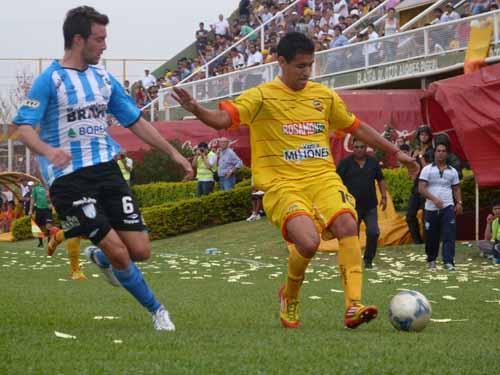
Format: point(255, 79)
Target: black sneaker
point(368, 265)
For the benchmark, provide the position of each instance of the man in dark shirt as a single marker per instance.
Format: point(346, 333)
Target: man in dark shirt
point(359, 173)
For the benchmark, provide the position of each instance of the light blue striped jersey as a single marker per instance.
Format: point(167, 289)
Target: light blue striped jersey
point(71, 108)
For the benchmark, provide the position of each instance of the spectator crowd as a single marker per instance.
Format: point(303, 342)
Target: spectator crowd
point(326, 22)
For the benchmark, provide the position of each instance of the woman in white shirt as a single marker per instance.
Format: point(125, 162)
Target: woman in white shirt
point(391, 27)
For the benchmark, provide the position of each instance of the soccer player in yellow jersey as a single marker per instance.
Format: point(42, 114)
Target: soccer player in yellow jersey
point(56, 237)
point(290, 120)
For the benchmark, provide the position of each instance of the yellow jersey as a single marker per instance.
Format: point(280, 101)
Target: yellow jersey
point(289, 130)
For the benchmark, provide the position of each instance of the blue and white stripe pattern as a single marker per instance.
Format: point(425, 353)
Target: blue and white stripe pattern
point(71, 108)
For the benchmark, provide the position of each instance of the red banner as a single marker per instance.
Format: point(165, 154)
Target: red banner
point(399, 109)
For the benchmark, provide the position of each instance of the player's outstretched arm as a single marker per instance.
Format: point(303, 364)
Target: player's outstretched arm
point(371, 137)
point(214, 118)
point(145, 131)
point(57, 156)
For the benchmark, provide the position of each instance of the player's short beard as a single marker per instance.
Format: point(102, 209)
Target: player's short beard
point(87, 57)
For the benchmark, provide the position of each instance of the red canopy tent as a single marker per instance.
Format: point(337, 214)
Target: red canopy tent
point(467, 108)
point(189, 132)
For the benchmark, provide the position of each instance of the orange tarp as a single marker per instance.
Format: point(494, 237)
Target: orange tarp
point(393, 229)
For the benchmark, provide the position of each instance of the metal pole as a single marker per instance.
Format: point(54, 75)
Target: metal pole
point(262, 33)
point(426, 42)
point(477, 210)
point(10, 151)
point(495, 28)
point(28, 161)
point(124, 70)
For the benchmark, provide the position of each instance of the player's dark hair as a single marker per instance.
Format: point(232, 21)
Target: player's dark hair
point(294, 43)
point(442, 139)
point(445, 144)
point(429, 155)
point(404, 147)
point(495, 202)
point(79, 21)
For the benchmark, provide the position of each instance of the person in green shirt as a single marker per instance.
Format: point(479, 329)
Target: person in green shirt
point(490, 246)
point(246, 29)
point(40, 206)
point(205, 162)
point(125, 164)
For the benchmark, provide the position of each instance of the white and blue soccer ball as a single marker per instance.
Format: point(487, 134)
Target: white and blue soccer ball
point(409, 311)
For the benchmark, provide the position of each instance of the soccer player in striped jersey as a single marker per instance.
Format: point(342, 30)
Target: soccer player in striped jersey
point(70, 101)
point(290, 119)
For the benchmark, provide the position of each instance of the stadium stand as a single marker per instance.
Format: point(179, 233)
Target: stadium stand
point(236, 43)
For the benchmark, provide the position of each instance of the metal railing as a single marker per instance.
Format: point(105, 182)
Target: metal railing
point(375, 16)
point(260, 31)
point(423, 14)
point(434, 40)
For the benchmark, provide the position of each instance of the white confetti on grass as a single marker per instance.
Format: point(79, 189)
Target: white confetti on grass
point(336, 291)
point(449, 298)
point(447, 320)
point(453, 287)
point(314, 297)
point(108, 317)
point(64, 335)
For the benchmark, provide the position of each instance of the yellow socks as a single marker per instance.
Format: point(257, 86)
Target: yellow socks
point(297, 265)
point(73, 246)
point(349, 260)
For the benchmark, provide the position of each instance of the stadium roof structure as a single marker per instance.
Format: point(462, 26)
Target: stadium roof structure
point(409, 4)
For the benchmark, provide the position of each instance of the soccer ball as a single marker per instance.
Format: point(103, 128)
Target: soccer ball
point(409, 311)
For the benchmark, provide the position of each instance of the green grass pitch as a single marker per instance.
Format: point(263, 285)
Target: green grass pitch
point(225, 308)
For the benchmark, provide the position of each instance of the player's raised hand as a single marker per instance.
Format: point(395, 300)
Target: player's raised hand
point(189, 173)
point(59, 157)
point(185, 99)
point(410, 163)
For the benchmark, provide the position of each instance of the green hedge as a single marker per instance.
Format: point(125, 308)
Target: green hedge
point(218, 208)
point(21, 228)
point(161, 192)
point(399, 184)
point(172, 218)
point(157, 193)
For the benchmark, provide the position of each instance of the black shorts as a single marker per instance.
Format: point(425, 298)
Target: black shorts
point(92, 200)
point(42, 217)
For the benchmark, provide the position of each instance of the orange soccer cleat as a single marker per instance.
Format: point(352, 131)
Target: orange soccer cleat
point(358, 314)
point(53, 241)
point(289, 310)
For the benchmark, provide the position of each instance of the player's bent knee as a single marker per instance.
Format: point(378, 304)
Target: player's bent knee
point(344, 226)
point(308, 245)
point(141, 252)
